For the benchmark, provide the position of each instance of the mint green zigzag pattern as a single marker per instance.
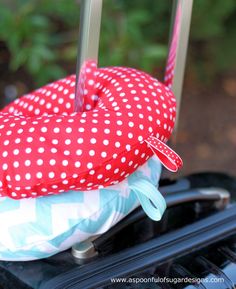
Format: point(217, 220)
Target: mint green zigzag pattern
point(110, 201)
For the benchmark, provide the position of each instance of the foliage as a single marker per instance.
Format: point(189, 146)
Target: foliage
point(213, 36)
point(41, 35)
point(30, 31)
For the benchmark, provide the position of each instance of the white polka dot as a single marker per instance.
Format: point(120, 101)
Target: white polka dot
point(16, 152)
point(114, 156)
point(92, 152)
point(89, 165)
point(79, 152)
point(141, 126)
point(16, 164)
point(106, 142)
point(44, 129)
point(128, 147)
point(77, 164)
point(41, 150)
point(39, 162)
point(28, 150)
point(55, 141)
point(92, 172)
point(4, 167)
point(27, 163)
point(67, 141)
point(65, 163)
point(68, 129)
point(116, 170)
point(123, 159)
point(68, 105)
point(6, 142)
point(103, 154)
point(39, 175)
point(51, 175)
point(94, 130)
point(56, 130)
point(108, 167)
point(136, 152)
point(91, 82)
point(37, 111)
point(28, 176)
point(17, 177)
point(52, 162)
point(117, 144)
point(63, 175)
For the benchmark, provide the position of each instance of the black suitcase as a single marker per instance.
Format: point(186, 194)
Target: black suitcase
point(195, 239)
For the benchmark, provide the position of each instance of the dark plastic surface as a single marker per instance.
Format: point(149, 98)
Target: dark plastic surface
point(158, 250)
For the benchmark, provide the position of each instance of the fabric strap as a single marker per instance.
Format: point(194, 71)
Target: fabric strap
point(171, 60)
point(151, 200)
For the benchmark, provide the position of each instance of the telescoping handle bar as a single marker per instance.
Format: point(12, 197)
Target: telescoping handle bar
point(88, 45)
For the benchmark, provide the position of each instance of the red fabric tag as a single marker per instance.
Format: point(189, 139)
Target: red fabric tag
point(170, 159)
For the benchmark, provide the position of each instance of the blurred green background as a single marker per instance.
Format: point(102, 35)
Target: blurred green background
point(38, 44)
point(39, 37)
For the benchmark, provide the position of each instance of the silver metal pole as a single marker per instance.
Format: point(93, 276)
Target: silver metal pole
point(181, 52)
point(88, 46)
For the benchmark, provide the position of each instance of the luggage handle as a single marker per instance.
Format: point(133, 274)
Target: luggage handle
point(88, 46)
point(88, 249)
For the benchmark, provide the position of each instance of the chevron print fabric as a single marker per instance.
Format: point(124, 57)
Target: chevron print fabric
point(38, 228)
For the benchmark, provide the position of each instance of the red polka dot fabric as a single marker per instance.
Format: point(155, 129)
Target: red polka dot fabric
point(170, 67)
point(46, 148)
